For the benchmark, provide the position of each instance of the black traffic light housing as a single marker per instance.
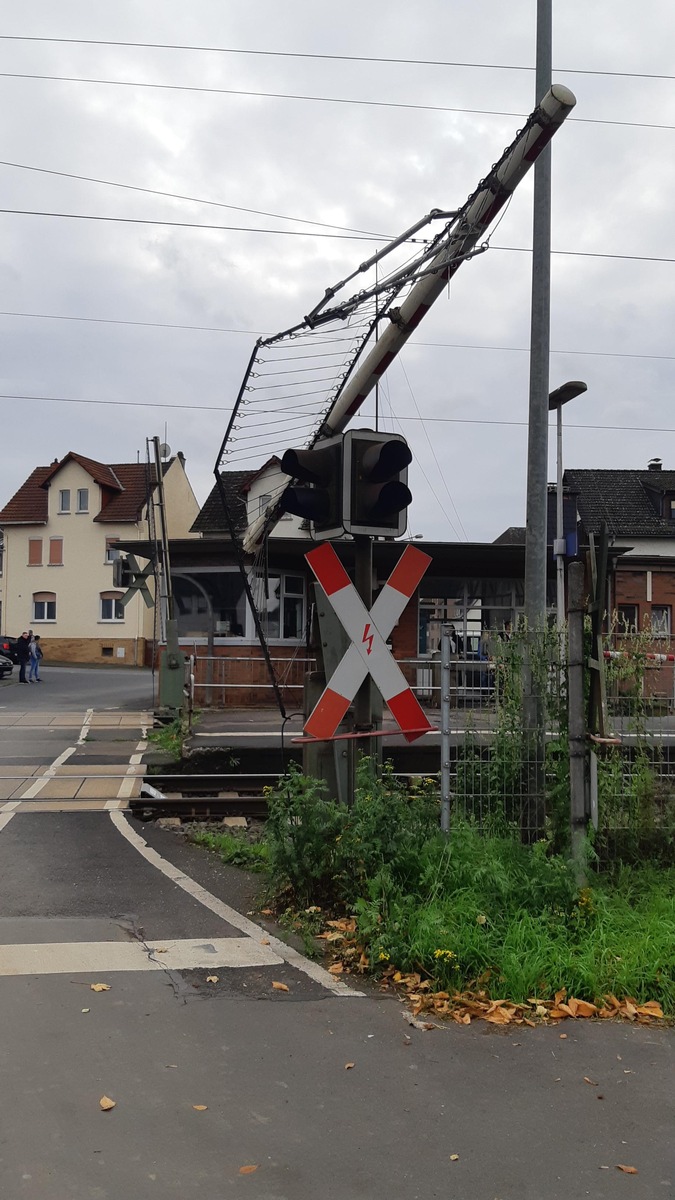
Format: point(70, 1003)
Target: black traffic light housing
point(375, 483)
point(321, 500)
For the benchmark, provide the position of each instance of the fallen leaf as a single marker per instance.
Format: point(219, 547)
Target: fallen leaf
point(200, 1107)
point(248, 1170)
point(100, 987)
point(266, 912)
point(280, 987)
point(626, 1170)
point(454, 1158)
point(211, 978)
point(348, 1066)
point(106, 1103)
point(593, 1082)
point(335, 968)
point(650, 1009)
point(86, 1010)
point(562, 1037)
point(161, 950)
point(582, 1008)
point(264, 941)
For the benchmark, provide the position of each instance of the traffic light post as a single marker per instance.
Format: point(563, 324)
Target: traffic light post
point(354, 483)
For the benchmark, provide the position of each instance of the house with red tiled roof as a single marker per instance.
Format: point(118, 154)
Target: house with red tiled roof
point(60, 535)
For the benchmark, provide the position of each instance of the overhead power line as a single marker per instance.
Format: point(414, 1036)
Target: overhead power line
point(175, 87)
point(225, 409)
point(29, 212)
point(265, 333)
point(364, 58)
point(131, 187)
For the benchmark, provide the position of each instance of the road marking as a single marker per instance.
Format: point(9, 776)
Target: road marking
point(5, 818)
point(85, 728)
point(10, 806)
point(292, 957)
point(77, 958)
point(36, 788)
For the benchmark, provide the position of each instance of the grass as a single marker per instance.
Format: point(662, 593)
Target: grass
point(473, 908)
point(237, 851)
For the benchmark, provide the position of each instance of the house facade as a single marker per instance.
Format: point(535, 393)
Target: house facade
point(638, 508)
point(61, 533)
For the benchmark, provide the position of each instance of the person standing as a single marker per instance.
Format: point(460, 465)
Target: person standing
point(23, 655)
point(35, 656)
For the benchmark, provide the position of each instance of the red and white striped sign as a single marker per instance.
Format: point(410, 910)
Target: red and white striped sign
point(368, 653)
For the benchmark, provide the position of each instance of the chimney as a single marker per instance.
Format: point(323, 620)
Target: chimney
point(654, 464)
point(181, 458)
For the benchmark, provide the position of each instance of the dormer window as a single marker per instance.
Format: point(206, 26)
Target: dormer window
point(670, 508)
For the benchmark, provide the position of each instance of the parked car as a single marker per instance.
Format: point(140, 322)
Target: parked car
point(8, 647)
point(6, 666)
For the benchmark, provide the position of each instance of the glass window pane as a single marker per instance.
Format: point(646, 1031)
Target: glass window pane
point(294, 585)
point(293, 616)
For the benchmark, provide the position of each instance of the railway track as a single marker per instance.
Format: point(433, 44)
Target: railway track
point(204, 796)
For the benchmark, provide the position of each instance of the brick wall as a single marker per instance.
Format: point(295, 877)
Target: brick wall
point(103, 651)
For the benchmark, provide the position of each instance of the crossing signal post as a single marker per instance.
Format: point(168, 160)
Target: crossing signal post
point(354, 483)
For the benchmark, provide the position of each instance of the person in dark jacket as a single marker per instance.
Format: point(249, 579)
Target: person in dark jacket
point(23, 655)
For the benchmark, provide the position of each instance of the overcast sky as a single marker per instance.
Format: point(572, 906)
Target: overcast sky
point(373, 167)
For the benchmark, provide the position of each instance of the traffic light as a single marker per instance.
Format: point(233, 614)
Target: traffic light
point(376, 483)
point(123, 576)
point(321, 500)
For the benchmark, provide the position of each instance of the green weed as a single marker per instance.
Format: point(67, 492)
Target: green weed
point(238, 851)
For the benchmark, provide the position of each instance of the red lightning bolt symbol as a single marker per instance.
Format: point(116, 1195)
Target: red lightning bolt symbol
point(368, 637)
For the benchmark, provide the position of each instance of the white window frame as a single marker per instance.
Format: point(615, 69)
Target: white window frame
point(44, 619)
point(662, 628)
point(64, 508)
point(112, 551)
point(82, 508)
point(118, 614)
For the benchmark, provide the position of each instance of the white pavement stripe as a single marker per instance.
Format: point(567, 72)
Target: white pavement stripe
point(85, 727)
point(36, 788)
point(256, 932)
point(78, 958)
point(5, 818)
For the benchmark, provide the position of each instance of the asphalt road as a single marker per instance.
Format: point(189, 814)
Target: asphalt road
point(106, 689)
point(84, 899)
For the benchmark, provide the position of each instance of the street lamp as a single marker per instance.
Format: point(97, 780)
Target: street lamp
point(566, 391)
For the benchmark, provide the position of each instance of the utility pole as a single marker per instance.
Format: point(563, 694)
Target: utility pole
point(537, 442)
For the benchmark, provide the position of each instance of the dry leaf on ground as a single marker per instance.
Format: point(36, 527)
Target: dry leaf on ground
point(106, 1103)
point(264, 941)
point(593, 1082)
point(86, 1010)
point(626, 1170)
point(249, 1169)
point(100, 987)
point(200, 1107)
point(335, 968)
point(348, 1066)
point(454, 1158)
point(280, 987)
point(211, 978)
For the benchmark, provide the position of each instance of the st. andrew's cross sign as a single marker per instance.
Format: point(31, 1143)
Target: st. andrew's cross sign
point(368, 653)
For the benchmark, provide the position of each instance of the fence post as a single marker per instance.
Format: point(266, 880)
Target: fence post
point(445, 728)
point(577, 719)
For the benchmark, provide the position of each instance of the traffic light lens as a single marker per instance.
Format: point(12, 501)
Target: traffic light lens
point(382, 461)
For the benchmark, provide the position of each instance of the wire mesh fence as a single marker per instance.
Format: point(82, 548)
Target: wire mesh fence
point(507, 763)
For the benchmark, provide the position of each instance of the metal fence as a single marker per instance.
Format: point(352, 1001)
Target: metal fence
point(242, 680)
point(497, 773)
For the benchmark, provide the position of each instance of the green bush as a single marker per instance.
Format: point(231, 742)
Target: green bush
point(473, 906)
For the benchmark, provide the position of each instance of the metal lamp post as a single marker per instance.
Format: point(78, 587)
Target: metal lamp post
point(566, 391)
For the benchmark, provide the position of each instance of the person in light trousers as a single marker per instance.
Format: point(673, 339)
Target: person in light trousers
point(34, 660)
